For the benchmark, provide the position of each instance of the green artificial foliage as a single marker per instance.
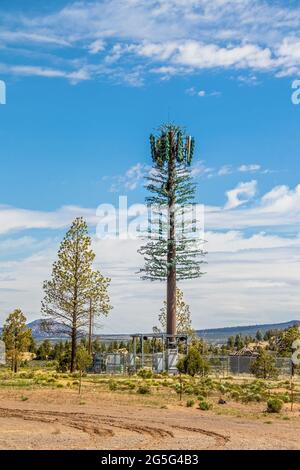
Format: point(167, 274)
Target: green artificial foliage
point(172, 197)
point(174, 250)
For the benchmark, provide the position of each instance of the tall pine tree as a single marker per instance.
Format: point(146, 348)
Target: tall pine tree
point(173, 251)
point(73, 286)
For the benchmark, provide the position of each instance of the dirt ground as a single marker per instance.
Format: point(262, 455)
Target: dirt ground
point(60, 419)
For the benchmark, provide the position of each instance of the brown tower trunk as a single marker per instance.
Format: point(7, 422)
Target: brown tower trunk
point(90, 327)
point(171, 281)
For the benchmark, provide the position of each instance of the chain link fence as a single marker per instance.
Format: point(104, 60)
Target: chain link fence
point(241, 365)
point(219, 366)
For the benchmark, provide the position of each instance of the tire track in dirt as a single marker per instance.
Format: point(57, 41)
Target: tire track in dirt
point(52, 418)
point(87, 422)
point(221, 440)
point(106, 426)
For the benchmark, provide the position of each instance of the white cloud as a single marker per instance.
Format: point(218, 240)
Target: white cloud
point(21, 37)
point(201, 93)
point(15, 219)
point(131, 179)
point(249, 168)
point(234, 241)
point(248, 190)
point(96, 46)
point(200, 169)
point(279, 208)
point(246, 35)
point(30, 70)
point(225, 170)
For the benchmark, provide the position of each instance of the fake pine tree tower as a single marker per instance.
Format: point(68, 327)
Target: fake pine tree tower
point(172, 252)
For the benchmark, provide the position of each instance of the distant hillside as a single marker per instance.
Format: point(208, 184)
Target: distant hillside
point(211, 335)
point(39, 334)
point(220, 335)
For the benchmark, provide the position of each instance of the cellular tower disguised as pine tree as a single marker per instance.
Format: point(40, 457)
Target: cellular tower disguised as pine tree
point(173, 250)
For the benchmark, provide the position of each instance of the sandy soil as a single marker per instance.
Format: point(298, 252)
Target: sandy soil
point(59, 419)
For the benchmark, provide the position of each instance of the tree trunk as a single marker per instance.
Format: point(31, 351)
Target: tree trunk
point(80, 382)
point(73, 349)
point(74, 314)
point(90, 327)
point(171, 257)
point(15, 363)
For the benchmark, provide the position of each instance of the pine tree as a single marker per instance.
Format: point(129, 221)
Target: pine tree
point(99, 302)
point(44, 350)
point(259, 336)
point(73, 284)
point(173, 249)
point(264, 366)
point(83, 361)
point(17, 337)
point(183, 315)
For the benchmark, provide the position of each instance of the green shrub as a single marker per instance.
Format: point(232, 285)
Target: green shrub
point(257, 397)
point(145, 373)
point(51, 380)
point(284, 397)
point(250, 397)
point(201, 398)
point(129, 385)
point(51, 364)
point(264, 366)
point(112, 384)
point(189, 390)
point(190, 403)
point(26, 375)
point(223, 388)
point(193, 363)
point(274, 405)
point(144, 390)
point(235, 395)
point(204, 405)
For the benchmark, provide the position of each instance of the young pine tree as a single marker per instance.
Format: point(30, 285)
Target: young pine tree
point(17, 337)
point(73, 284)
point(183, 315)
point(264, 366)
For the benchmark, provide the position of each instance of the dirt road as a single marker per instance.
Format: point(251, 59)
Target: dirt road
point(52, 419)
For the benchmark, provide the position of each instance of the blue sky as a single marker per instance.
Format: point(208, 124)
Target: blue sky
point(86, 84)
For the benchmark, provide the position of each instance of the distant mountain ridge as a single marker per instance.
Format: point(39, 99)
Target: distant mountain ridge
point(38, 332)
point(211, 335)
point(220, 335)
